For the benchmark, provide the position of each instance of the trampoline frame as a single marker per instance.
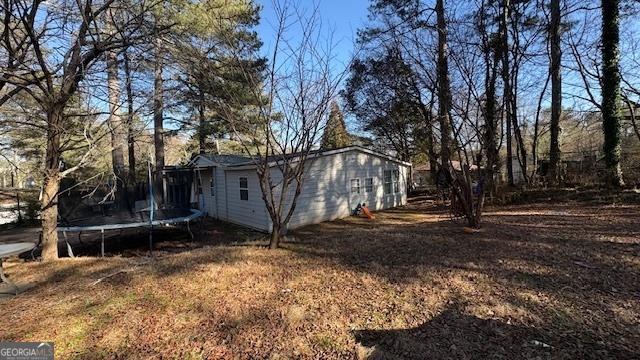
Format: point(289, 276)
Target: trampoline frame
point(141, 224)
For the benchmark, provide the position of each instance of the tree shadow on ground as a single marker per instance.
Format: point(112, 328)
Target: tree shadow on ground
point(455, 335)
point(129, 249)
point(575, 273)
point(562, 258)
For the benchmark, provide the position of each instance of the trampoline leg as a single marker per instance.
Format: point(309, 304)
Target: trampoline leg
point(69, 250)
point(102, 244)
point(151, 241)
point(189, 230)
point(4, 279)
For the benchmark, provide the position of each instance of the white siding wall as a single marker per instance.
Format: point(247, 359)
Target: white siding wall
point(221, 193)
point(210, 201)
point(323, 195)
point(251, 212)
point(326, 194)
point(363, 166)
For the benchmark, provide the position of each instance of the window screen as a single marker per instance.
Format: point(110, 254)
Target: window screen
point(244, 188)
point(368, 185)
point(355, 186)
point(388, 181)
point(396, 181)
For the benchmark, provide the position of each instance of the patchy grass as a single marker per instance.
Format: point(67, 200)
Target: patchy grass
point(538, 281)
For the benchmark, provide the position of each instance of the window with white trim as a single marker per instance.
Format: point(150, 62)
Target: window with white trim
point(396, 181)
point(355, 186)
point(368, 185)
point(391, 182)
point(244, 188)
point(388, 181)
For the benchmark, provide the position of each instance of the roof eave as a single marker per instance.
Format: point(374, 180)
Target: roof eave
point(251, 165)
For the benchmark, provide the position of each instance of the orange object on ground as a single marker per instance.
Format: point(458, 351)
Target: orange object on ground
point(367, 213)
point(469, 230)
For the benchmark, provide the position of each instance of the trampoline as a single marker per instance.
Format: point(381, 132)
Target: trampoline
point(91, 211)
point(127, 220)
point(7, 250)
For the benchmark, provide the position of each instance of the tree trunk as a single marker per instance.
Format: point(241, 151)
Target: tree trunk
point(556, 93)
point(444, 91)
point(116, 128)
point(131, 151)
point(507, 87)
point(521, 149)
point(49, 206)
point(510, 180)
point(274, 241)
point(491, 124)
point(202, 131)
point(430, 142)
point(536, 131)
point(158, 121)
point(433, 157)
point(611, 90)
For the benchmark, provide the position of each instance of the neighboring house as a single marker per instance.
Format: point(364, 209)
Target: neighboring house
point(335, 182)
point(422, 176)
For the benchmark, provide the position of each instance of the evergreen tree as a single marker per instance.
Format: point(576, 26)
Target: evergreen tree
point(335, 133)
point(382, 92)
point(210, 82)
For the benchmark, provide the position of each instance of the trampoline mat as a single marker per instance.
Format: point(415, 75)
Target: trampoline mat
point(127, 217)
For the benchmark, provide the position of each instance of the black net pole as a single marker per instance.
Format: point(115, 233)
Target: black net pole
point(151, 211)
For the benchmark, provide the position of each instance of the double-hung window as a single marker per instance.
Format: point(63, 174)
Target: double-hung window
point(396, 181)
point(244, 188)
point(355, 186)
point(368, 185)
point(388, 181)
point(391, 182)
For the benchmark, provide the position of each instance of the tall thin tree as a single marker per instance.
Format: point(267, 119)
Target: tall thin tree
point(158, 114)
point(611, 90)
point(444, 88)
point(116, 126)
point(556, 92)
point(506, 83)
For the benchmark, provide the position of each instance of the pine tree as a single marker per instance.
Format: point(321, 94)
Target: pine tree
point(335, 133)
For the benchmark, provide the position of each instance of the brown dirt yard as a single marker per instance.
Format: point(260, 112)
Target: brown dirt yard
point(539, 281)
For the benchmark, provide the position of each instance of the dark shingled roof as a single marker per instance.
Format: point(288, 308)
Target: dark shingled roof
point(239, 160)
point(227, 159)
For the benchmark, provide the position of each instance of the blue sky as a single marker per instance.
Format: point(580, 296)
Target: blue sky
point(343, 16)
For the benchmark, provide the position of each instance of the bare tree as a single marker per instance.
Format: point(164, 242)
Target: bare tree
point(131, 149)
point(293, 103)
point(508, 111)
point(51, 74)
point(158, 109)
point(444, 88)
point(611, 90)
point(556, 91)
point(116, 125)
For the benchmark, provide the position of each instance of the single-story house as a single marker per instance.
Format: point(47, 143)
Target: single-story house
point(422, 176)
point(335, 182)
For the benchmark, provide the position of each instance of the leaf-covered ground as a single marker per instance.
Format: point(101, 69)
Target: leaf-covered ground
point(539, 281)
